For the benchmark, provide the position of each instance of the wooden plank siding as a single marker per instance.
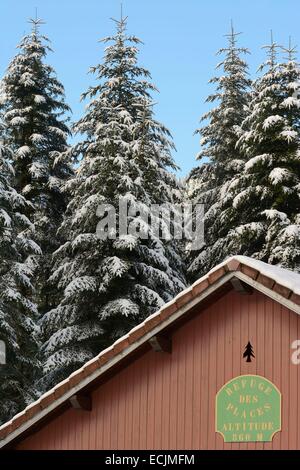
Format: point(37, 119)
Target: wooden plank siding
point(167, 401)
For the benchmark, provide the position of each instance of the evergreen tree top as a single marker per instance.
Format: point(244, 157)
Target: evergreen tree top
point(232, 50)
point(33, 98)
point(28, 71)
point(36, 22)
point(272, 55)
point(119, 74)
point(291, 52)
point(270, 127)
point(34, 43)
point(33, 108)
point(120, 110)
point(219, 134)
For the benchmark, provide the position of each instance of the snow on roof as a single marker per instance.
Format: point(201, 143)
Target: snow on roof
point(285, 277)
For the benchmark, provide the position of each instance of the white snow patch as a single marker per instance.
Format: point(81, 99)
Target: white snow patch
point(38, 99)
point(290, 102)
point(272, 214)
point(278, 175)
point(23, 151)
point(120, 306)
point(259, 158)
point(5, 217)
point(18, 120)
point(37, 138)
point(271, 121)
point(292, 231)
point(289, 135)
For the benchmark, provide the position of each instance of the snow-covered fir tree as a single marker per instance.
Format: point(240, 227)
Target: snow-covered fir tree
point(208, 183)
point(265, 213)
point(33, 109)
point(18, 313)
point(109, 285)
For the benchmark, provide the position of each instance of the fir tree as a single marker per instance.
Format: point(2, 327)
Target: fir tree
point(18, 313)
point(248, 352)
point(208, 184)
point(33, 106)
point(283, 238)
point(110, 285)
point(266, 203)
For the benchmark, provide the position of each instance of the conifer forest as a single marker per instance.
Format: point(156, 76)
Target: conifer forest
point(67, 293)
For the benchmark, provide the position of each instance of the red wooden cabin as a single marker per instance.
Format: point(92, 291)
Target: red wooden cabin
point(156, 387)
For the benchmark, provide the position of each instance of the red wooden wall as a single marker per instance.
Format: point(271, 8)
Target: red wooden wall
point(164, 401)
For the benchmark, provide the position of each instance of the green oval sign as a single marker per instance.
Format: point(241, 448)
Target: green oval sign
point(248, 409)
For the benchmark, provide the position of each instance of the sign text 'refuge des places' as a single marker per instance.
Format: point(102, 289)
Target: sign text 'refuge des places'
point(248, 409)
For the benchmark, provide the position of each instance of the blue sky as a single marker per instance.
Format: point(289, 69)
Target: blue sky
point(180, 40)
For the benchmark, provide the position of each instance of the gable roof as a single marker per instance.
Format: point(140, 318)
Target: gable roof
point(280, 284)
